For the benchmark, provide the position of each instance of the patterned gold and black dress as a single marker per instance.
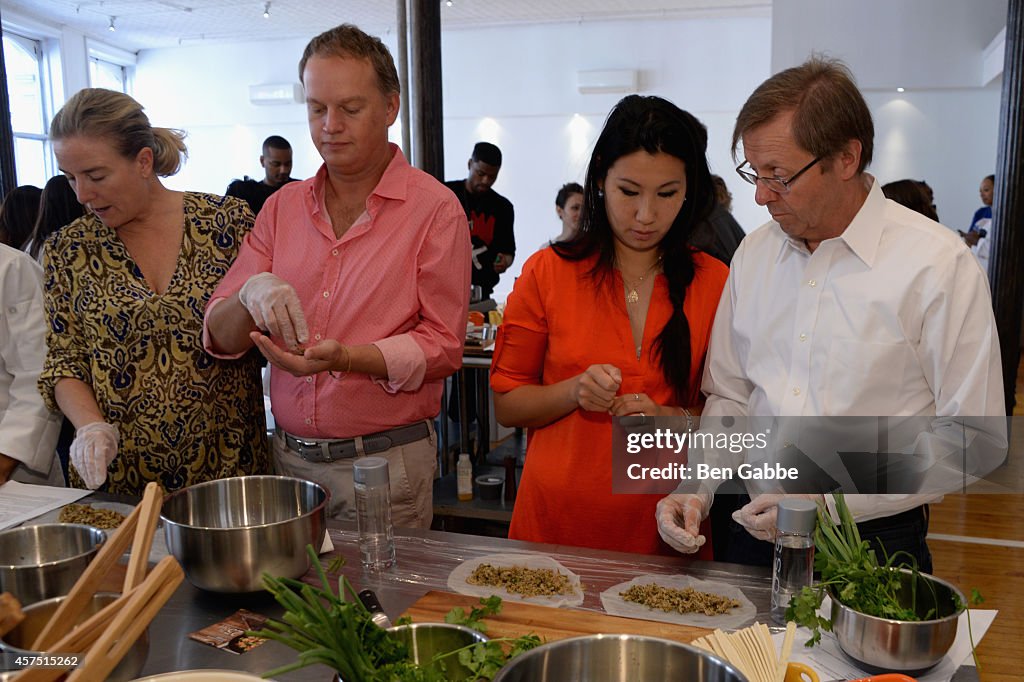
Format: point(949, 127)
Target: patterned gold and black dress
point(184, 416)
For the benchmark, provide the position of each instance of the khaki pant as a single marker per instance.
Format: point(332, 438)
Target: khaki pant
point(411, 468)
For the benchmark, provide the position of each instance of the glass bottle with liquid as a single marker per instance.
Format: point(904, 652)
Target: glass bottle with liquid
point(373, 512)
point(464, 477)
point(793, 564)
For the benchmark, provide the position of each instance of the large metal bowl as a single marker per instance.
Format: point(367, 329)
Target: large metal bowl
point(883, 645)
point(425, 640)
point(617, 658)
point(17, 642)
point(44, 561)
point(226, 533)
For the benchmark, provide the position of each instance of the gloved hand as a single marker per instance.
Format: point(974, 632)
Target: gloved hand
point(759, 515)
point(275, 308)
point(92, 451)
point(679, 518)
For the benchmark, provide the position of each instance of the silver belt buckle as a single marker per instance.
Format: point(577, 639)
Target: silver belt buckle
point(323, 446)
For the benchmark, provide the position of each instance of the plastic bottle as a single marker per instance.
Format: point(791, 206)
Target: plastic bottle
point(464, 477)
point(373, 512)
point(793, 566)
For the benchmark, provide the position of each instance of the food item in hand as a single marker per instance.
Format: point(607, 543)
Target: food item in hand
point(91, 516)
point(686, 600)
point(529, 582)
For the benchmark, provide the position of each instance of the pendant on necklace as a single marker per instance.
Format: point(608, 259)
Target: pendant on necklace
point(632, 296)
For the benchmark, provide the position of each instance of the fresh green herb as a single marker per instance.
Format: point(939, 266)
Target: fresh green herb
point(337, 631)
point(976, 599)
point(490, 606)
point(851, 572)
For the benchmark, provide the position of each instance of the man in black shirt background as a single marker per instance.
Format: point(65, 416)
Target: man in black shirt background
point(490, 217)
point(276, 160)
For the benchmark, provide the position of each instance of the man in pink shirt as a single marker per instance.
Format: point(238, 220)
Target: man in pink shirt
point(360, 275)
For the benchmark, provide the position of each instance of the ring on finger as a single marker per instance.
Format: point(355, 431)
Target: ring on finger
point(636, 397)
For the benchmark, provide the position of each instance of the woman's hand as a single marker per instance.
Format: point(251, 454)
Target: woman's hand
point(638, 403)
point(595, 389)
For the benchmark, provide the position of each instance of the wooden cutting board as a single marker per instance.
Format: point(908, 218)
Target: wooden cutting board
point(517, 619)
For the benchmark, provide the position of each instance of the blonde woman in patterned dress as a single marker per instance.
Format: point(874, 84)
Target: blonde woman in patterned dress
point(126, 286)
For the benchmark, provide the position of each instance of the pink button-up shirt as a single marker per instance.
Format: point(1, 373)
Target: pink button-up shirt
point(398, 278)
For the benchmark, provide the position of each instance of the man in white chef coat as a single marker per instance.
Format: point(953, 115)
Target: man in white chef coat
point(28, 431)
point(844, 304)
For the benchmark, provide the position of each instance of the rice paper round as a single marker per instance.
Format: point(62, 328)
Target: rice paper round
point(615, 605)
point(458, 579)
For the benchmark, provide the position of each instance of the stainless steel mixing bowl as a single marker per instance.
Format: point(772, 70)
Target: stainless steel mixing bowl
point(226, 533)
point(44, 561)
point(884, 645)
point(425, 640)
point(17, 642)
point(617, 658)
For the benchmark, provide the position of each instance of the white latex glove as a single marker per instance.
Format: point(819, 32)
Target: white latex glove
point(759, 515)
point(92, 451)
point(275, 308)
point(679, 518)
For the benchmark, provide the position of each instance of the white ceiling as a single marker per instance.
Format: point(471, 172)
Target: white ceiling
point(142, 24)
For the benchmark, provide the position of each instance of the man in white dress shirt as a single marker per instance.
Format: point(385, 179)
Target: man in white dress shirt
point(28, 431)
point(844, 304)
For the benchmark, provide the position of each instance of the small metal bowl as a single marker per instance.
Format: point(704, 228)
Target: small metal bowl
point(44, 561)
point(886, 645)
point(617, 658)
point(16, 642)
point(426, 640)
point(489, 486)
point(227, 533)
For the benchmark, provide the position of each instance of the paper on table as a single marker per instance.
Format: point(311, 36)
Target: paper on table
point(831, 663)
point(20, 502)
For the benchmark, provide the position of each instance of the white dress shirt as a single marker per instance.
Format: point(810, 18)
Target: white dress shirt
point(892, 318)
point(28, 431)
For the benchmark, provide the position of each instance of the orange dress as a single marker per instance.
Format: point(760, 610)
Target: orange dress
point(558, 321)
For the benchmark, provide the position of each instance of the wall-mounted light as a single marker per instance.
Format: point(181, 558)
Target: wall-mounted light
point(110, 26)
point(901, 89)
point(449, 3)
point(266, 10)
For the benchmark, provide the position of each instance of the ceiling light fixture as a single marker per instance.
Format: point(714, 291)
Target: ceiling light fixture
point(901, 89)
point(266, 11)
point(111, 27)
point(449, 3)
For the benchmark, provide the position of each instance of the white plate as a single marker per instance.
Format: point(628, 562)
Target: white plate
point(203, 676)
point(458, 579)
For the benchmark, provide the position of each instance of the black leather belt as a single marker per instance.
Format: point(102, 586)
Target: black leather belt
point(329, 450)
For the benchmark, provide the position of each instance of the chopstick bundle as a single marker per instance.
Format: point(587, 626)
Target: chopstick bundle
point(751, 651)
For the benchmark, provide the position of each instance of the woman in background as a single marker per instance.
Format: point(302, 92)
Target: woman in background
point(18, 214)
point(614, 322)
point(913, 195)
point(126, 286)
point(983, 216)
point(568, 205)
point(58, 207)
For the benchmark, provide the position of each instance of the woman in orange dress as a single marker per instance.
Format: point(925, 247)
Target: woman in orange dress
point(614, 322)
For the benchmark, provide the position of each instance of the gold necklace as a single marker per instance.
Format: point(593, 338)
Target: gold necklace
point(632, 295)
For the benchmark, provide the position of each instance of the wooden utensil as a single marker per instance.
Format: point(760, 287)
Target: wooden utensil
point(10, 613)
point(85, 587)
point(130, 622)
point(152, 501)
point(107, 636)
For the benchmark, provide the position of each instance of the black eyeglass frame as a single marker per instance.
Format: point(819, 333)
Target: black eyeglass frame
point(770, 181)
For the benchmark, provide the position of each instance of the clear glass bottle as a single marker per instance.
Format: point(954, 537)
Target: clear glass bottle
point(793, 565)
point(373, 512)
point(464, 477)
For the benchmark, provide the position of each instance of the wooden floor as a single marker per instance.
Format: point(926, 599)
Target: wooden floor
point(977, 542)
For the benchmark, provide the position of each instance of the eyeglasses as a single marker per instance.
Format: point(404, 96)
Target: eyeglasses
point(774, 183)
